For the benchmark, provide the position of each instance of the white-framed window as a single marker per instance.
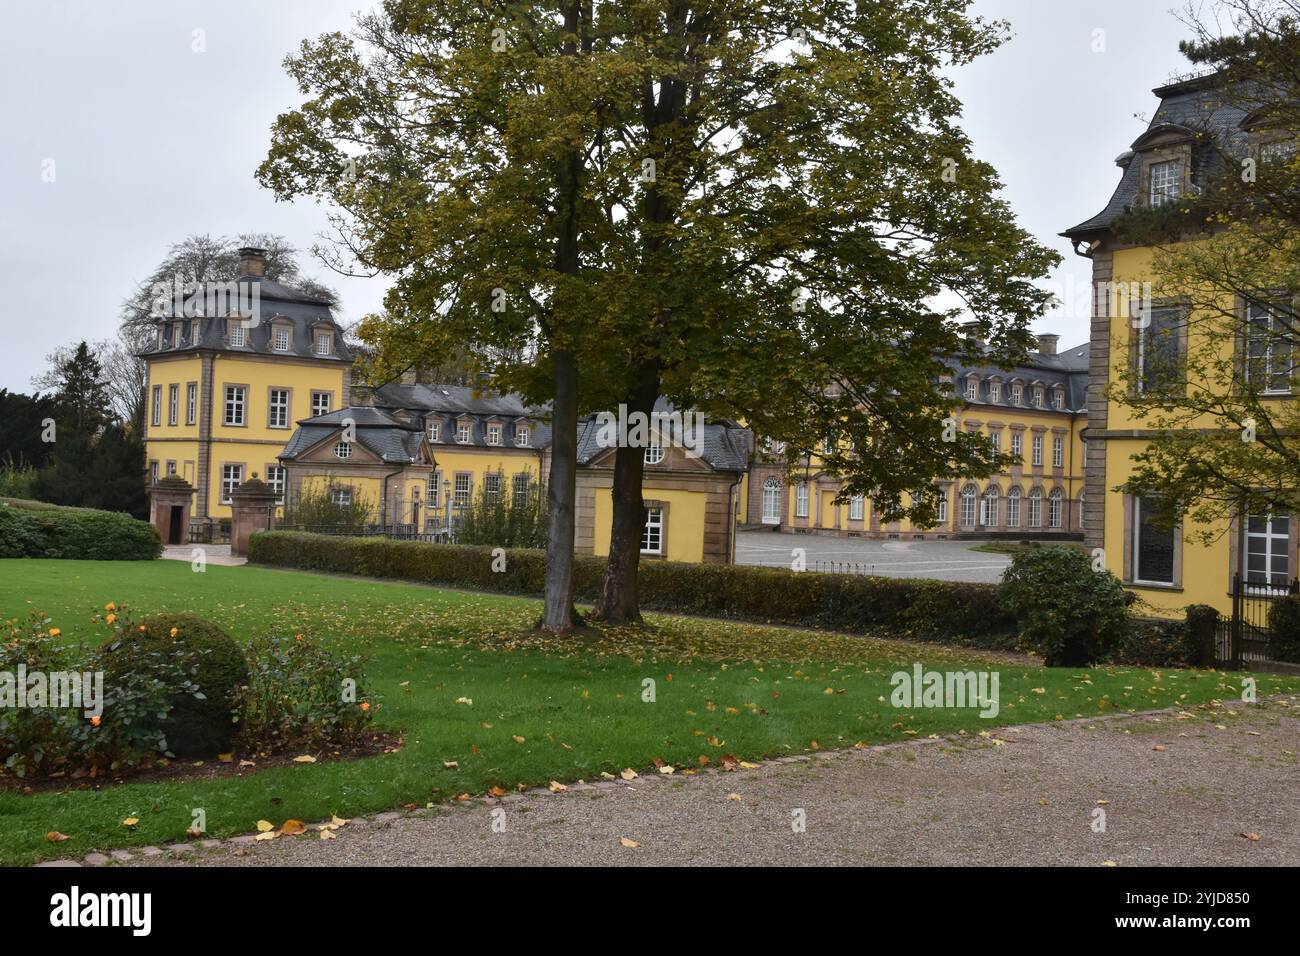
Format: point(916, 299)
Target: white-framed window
point(801, 500)
point(1036, 446)
point(155, 406)
point(1270, 349)
point(828, 445)
point(995, 442)
point(343, 449)
point(995, 391)
point(1277, 151)
point(1153, 545)
point(177, 335)
point(772, 500)
point(1017, 393)
point(969, 493)
point(1266, 551)
point(232, 476)
point(434, 428)
point(989, 507)
point(153, 472)
point(196, 331)
point(1054, 503)
point(281, 338)
point(236, 405)
point(1058, 398)
point(522, 488)
point(654, 454)
point(320, 403)
point(941, 509)
point(275, 478)
point(171, 468)
point(1018, 445)
point(173, 404)
point(857, 508)
point(435, 489)
point(460, 490)
point(463, 431)
point(1166, 181)
point(1036, 508)
point(1058, 451)
point(494, 434)
point(342, 497)
point(492, 486)
point(324, 343)
point(523, 436)
point(191, 403)
point(652, 535)
point(278, 412)
point(1013, 507)
point(238, 334)
point(972, 389)
point(1038, 396)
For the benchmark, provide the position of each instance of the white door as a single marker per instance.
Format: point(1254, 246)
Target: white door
point(772, 501)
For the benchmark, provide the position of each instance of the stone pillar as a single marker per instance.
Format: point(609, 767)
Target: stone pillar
point(252, 508)
point(169, 508)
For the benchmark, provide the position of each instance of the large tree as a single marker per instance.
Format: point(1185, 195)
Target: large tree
point(761, 210)
point(1218, 396)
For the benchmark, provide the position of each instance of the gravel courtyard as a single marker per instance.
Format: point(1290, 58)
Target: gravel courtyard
point(1215, 786)
point(944, 560)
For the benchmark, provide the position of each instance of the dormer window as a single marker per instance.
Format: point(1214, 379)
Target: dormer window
point(435, 431)
point(238, 334)
point(281, 339)
point(1058, 398)
point(494, 434)
point(1166, 182)
point(995, 391)
point(196, 331)
point(343, 450)
point(972, 389)
point(1038, 396)
point(523, 436)
point(1277, 151)
point(463, 432)
point(324, 343)
point(177, 336)
point(1017, 393)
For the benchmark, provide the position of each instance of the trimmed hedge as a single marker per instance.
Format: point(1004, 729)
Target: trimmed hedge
point(82, 533)
point(950, 612)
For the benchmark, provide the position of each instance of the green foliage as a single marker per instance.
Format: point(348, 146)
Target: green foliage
point(16, 479)
point(103, 470)
point(927, 610)
point(1153, 642)
point(75, 533)
point(315, 509)
point(22, 427)
point(1070, 614)
point(300, 695)
point(498, 520)
point(200, 722)
point(1284, 629)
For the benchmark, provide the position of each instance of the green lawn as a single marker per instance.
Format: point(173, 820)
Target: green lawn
point(721, 688)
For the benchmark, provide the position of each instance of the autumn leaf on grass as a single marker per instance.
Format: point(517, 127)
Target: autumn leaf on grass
point(451, 764)
point(465, 700)
point(496, 791)
point(193, 833)
point(54, 836)
point(264, 825)
point(630, 844)
point(657, 761)
point(130, 821)
point(606, 775)
point(703, 760)
point(556, 787)
point(668, 769)
point(627, 773)
point(728, 763)
point(293, 827)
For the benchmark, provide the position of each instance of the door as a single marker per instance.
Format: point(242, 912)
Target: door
point(772, 500)
point(174, 529)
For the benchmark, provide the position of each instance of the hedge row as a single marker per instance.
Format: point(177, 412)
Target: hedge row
point(75, 533)
point(926, 610)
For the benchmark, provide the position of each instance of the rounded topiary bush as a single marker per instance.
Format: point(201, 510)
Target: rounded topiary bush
point(197, 725)
point(1065, 610)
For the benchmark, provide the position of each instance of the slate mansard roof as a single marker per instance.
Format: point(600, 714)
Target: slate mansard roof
point(387, 436)
point(1067, 369)
point(448, 404)
point(276, 301)
point(726, 447)
point(1196, 107)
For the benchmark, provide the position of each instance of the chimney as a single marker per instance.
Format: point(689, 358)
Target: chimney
point(971, 330)
point(1047, 344)
point(252, 261)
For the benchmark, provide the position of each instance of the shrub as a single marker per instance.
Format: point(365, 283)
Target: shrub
point(198, 724)
point(300, 695)
point(1068, 612)
point(1153, 642)
point(30, 531)
point(499, 521)
point(1284, 629)
point(927, 610)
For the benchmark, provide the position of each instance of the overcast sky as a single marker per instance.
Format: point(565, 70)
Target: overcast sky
point(151, 140)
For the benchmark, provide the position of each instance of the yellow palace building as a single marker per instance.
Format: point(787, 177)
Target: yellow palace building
point(1165, 568)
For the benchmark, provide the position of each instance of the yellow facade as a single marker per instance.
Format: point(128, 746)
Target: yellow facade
point(684, 518)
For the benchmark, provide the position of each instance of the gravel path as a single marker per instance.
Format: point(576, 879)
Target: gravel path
point(1023, 796)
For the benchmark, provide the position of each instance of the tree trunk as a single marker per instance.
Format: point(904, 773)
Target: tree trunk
point(557, 616)
point(620, 600)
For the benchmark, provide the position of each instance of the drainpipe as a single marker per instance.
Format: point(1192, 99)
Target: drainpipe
point(383, 498)
point(731, 517)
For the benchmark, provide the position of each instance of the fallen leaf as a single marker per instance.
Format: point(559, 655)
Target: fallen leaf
point(627, 773)
point(130, 821)
point(464, 700)
point(226, 758)
point(497, 791)
point(264, 825)
point(327, 835)
point(518, 739)
point(1252, 837)
point(54, 836)
point(630, 844)
point(293, 827)
point(268, 835)
point(556, 787)
point(1158, 747)
point(451, 765)
point(748, 766)
point(305, 758)
point(733, 796)
point(667, 769)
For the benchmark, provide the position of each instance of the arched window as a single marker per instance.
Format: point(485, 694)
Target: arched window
point(772, 500)
point(1054, 501)
point(968, 495)
point(989, 507)
point(1013, 507)
point(1036, 508)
